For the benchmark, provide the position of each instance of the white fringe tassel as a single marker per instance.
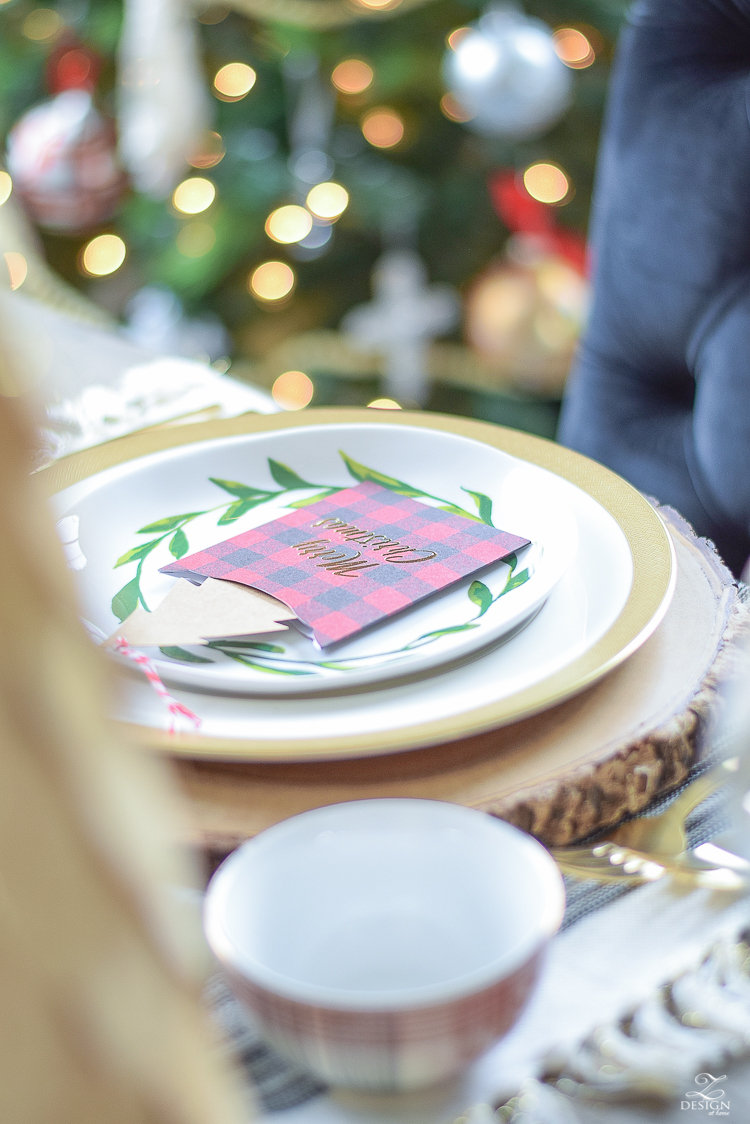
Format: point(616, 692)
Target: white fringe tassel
point(701, 1020)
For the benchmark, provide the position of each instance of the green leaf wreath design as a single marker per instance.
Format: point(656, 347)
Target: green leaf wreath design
point(361, 473)
point(183, 654)
point(484, 505)
point(179, 545)
point(246, 497)
point(262, 656)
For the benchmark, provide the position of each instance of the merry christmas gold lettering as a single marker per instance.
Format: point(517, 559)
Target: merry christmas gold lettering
point(343, 565)
point(392, 547)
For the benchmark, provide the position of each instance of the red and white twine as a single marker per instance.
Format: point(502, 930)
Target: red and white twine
point(176, 709)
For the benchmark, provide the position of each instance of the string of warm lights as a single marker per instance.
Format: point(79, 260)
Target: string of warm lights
point(352, 76)
point(193, 195)
point(289, 224)
point(234, 81)
point(574, 48)
point(382, 127)
point(327, 201)
point(102, 255)
point(272, 283)
point(293, 390)
point(547, 182)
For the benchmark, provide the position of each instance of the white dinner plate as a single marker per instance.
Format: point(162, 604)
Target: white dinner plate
point(140, 516)
point(609, 600)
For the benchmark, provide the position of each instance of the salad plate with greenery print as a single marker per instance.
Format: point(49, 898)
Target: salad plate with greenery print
point(155, 509)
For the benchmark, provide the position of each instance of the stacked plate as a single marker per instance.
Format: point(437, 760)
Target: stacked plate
point(509, 641)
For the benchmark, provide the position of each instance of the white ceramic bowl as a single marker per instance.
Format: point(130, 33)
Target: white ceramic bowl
point(385, 944)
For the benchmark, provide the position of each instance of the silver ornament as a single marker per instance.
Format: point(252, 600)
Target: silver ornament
point(505, 72)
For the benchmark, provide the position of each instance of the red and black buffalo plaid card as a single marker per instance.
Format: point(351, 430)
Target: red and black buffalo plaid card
point(354, 558)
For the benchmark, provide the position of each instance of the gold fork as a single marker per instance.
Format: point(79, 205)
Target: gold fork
point(646, 849)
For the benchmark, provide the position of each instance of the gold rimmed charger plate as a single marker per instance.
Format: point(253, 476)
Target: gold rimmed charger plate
point(649, 542)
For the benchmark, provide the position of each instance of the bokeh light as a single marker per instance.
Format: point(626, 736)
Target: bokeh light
point(382, 128)
point(378, 5)
point(293, 390)
point(271, 281)
point(41, 24)
point(74, 71)
point(234, 81)
point(451, 108)
point(546, 182)
point(573, 48)
point(383, 404)
point(196, 239)
point(103, 255)
point(17, 268)
point(352, 76)
point(6, 186)
point(456, 36)
point(194, 195)
point(214, 14)
point(328, 200)
point(289, 224)
point(209, 152)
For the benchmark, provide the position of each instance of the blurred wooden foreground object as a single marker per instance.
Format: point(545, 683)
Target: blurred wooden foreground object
point(100, 1020)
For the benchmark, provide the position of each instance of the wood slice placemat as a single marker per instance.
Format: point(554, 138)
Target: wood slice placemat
point(562, 774)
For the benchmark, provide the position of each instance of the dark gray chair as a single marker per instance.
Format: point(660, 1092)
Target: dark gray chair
point(660, 391)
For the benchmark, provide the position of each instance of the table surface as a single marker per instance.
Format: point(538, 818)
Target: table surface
point(562, 774)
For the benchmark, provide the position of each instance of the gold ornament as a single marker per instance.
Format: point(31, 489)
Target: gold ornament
point(524, 314)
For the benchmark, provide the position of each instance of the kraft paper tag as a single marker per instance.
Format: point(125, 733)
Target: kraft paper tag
point(193, 614)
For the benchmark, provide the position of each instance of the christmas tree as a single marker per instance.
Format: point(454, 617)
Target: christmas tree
point(333, 133)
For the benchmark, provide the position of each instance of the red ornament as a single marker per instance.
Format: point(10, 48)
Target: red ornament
point(522, 214)
point(525, 311)
point(62, 157)
point(62, 153)
point(71, 66)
